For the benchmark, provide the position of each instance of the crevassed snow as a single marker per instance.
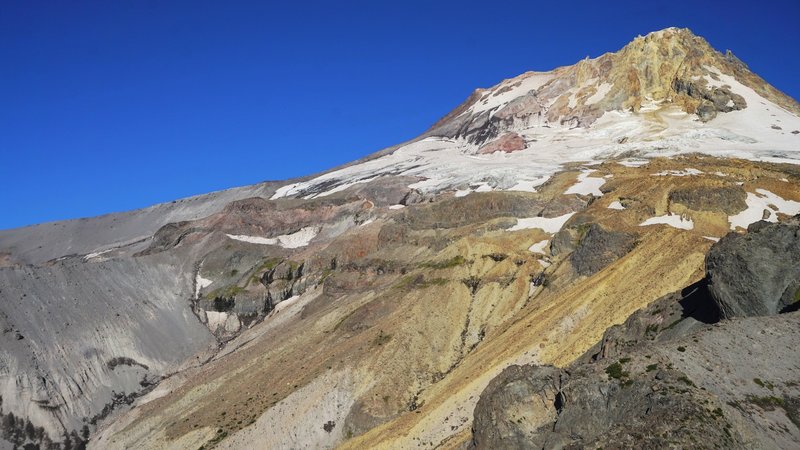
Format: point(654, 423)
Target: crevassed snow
point(679, 173)
point(539, 246)
point(340, 188)
point(527, 82)
point(298, 239)
point(758, 202)
point(616, 205)
point(673, 220)
point(548, 225)
point(587, 185)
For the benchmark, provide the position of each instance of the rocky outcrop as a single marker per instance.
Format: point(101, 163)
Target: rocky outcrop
point(728, 199)
point(507, 143)
point(756, 274)
point(600, 247)
point(596, 406)
point(689, 390)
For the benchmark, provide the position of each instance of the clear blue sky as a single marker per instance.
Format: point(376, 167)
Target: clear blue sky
point(114, 105)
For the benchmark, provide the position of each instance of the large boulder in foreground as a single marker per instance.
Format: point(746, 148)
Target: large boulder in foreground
point(758, 273)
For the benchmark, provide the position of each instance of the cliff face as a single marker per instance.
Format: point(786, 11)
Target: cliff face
point(369, 306)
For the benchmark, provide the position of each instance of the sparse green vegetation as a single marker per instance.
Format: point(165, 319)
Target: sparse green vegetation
point(615, 371)
point(763, 384)
point(767, 403)
point(681, 349)
point(686, 380)
point(225, 293)
point(446, 264)
point(419, 282)
point(651, 367)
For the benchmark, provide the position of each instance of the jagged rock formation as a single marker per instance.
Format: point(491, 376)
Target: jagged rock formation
point(371, 305)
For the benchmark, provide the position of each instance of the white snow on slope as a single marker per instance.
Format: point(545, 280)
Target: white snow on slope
point(658, 129)
point(295, 240)
point(679, 173)
point(616, 205)
point(539, 247)
point(495, 99)
point(602, 90)
point(200, 283)
point(548, 225)
point(673, 220)
point(760, 201)
point(587, 185)
point(96, 254)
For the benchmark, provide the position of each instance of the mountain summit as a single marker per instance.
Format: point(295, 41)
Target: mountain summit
point(541, 269)
point(664, 93)
point(671, 67)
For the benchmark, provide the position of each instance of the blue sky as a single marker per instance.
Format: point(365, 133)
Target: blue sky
point(111, 106)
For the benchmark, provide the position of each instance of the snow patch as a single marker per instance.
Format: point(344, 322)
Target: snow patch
point(679, 173)
point(616, 205)
point(760, 201)
point(633, 162)
point(600, 94)
point(295, 240)
point(673, 220)
point(548, 225)
point(285, 304)
point(712, 238)
point(200, 283)
point(539, 247)
point(587, 185)
point(397, 206)
point(96, 254)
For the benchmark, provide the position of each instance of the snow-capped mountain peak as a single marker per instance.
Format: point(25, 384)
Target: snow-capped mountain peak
point(664, 93)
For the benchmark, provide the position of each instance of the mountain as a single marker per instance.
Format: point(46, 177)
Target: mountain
point(374, 304)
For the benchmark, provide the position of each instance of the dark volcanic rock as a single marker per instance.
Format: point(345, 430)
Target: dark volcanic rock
point(728, 199)
point(596, 406)
point(756, 274)
point(519, 391)
point(599, 248)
